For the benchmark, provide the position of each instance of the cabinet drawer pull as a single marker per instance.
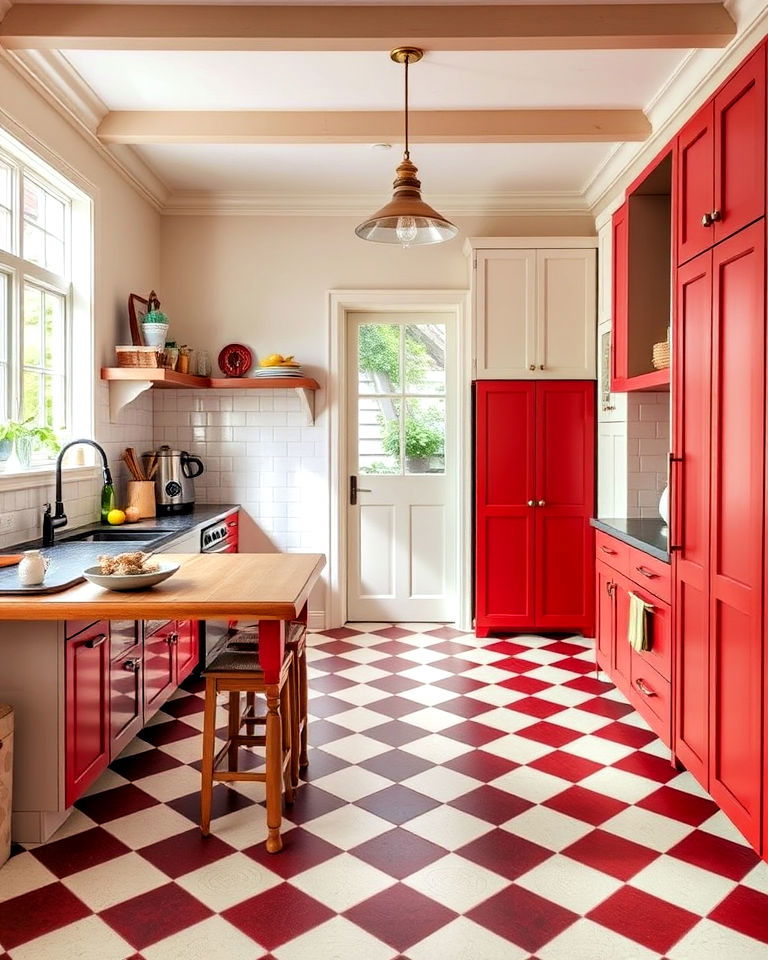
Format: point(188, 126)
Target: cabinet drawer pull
point(643, 687)
point(646, 572)
point(132, 666)
point(97, 641)
point(606, 549)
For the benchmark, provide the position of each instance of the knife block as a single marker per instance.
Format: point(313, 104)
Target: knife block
point(141, 494)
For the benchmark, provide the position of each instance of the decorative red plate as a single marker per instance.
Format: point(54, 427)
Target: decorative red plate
point(235, 360)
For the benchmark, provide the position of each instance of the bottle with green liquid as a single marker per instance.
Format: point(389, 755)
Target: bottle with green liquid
point(107, 500)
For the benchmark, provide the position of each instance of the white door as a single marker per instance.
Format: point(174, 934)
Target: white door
point(402, 520)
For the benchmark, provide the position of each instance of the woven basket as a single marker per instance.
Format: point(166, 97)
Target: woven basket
point(660, 355)
point(136, 357)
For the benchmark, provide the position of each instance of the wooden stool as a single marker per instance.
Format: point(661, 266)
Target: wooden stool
point(246, 637)
point(236, 672)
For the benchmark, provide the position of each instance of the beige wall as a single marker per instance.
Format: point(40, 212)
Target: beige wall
point(263, 281)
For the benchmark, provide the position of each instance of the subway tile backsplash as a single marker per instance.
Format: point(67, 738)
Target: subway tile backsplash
point(648, 445)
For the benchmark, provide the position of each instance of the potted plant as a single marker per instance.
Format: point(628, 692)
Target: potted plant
point(21, 437)
point(154, 324)
point(423, 439)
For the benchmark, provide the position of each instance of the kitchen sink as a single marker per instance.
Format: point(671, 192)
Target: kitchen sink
point(115, 536)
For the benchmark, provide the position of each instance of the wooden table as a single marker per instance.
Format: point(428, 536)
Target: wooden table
point(271, 588)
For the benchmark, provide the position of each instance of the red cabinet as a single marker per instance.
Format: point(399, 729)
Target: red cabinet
point(160, 640)
point(534, 498)
point(718, 498)
point(126, 707)
point(721, 175)
point(87, 723)
point(187, 648)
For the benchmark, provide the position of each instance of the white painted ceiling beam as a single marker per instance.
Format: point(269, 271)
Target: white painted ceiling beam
point(436, 27)
point(438, 126)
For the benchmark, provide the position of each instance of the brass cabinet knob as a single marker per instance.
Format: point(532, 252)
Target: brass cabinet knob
point(542, 503)
point(706, 220)
point(531, 503)
point(541, 366)
point(716, 215)
point(532, 366)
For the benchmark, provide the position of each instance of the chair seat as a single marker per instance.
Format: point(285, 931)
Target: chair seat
point(235, 661)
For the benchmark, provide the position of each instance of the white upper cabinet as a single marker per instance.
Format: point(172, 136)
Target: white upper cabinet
point(534, 310)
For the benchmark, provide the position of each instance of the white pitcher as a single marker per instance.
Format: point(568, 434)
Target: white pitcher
point(32, 568)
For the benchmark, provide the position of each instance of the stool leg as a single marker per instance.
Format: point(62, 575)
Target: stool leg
point(274, 769)
point(293, 682)
point(250, 708)
point(286, 717)
point(209, 740)
point(233, 728)
point(303, 707)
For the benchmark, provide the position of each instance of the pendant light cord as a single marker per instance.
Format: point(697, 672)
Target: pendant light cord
point(407, 153)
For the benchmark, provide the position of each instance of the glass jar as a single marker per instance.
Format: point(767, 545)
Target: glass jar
point(203, 364)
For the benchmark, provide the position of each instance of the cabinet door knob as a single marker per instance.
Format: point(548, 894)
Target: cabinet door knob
point(716, 215)
point(531, 503)
point(531, 366)
point(706, 220)
point(541, 503)
point(173, 638)
point(132, 666)
point(541, 366)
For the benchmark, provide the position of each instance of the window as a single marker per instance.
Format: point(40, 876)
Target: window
point(37, 292)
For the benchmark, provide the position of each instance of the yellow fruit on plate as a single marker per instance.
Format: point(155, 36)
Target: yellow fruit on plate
point(272, 360)
point(115, 517)
point(132, 514)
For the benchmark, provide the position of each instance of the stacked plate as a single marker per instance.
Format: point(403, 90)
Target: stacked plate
point(284, 370)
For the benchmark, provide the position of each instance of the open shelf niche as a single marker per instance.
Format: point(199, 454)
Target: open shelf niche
point(127, 383)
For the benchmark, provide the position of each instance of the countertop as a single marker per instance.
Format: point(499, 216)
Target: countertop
point(68, 560)
point(266, 586)
point(648, 534)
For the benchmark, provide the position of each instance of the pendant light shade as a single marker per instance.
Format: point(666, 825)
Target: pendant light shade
point(406, 219)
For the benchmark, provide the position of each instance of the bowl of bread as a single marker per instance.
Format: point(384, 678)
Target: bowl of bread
point(129, 571)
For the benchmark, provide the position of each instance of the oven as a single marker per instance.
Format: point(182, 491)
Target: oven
point(222, 536)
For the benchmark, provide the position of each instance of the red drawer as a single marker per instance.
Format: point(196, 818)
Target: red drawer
point(651, 573)
point(73, 627)
point(611, 551)
point(659, 657)
point(651, 695)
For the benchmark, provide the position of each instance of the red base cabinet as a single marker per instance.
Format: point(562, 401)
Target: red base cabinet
point(534, 498)
point(86, 671)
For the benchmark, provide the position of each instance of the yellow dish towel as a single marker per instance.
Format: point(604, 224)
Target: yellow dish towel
point(638, 633)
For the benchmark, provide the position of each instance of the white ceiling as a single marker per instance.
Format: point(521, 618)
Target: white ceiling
point(246, 80)
point(339, 169)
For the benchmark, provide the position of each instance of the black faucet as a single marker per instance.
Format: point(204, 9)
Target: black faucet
point(59, 518)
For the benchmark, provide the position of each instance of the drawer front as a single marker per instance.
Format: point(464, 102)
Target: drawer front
point(650, 573)
point(651, 695)
point(611, 551)
point(73, 627)
point(123, 635)
point(659, 657)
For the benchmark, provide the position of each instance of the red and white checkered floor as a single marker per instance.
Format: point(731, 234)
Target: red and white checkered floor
point(467, 800)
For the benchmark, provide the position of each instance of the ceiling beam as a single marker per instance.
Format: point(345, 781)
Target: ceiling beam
point(348, 126)
point(436, 27)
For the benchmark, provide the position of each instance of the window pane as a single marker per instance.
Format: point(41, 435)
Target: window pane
point(54, 406)
point(54, 254)
point(31, 393)
point(34, 244)
point(54, 216)
point(34, 203)
point(424, 435)
point(425, 358)
point(379, 357)
point(378, 435)
point(5, 185)
point(5, 229)
point(3, 391)
point(54, 332)
point(32, 334)
point(5, 290)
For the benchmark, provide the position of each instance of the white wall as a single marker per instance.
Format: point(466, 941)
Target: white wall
point(126, 259)
point(263, 281)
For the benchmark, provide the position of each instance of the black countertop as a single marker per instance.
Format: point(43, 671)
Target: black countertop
point(69, 559)
point(648, 534)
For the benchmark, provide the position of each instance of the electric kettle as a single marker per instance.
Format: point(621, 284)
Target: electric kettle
point(174, 479)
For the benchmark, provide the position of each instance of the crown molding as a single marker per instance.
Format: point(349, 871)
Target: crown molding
point(52, 77)
point(247, 203)
point(696, 78)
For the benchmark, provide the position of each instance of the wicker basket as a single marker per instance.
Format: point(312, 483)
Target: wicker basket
point(137, 356)
point(660, 358)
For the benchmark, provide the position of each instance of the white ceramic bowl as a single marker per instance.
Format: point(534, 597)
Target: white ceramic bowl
point(133, 581)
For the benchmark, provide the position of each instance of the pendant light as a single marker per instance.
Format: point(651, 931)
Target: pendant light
point(407, 219)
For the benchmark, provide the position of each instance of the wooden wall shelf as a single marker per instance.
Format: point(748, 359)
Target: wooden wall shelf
point(127, 383)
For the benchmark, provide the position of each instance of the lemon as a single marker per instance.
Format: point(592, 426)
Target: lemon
point(272, 360)
point(115, 517)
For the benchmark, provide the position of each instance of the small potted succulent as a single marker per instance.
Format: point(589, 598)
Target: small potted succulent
point(154, 324)
point(20, 438)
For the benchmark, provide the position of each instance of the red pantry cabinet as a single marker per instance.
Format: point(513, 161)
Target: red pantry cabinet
point(717, 535)
point(535, 452)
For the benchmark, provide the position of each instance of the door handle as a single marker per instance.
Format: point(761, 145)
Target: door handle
point(675, 465)
point(716, 216)
point(96, 641)
point(531, 503)
point(354, 490)
point(541, 503)
point(706, 220)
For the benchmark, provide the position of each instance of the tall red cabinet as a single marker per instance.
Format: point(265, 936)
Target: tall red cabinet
point(534, 487)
